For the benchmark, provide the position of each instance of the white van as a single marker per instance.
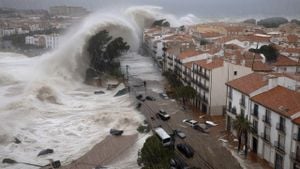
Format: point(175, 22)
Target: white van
point(163, 136)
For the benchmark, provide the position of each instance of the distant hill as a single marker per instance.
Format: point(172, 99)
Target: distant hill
point(250, 21)
point(295, 21)
point(273, 22)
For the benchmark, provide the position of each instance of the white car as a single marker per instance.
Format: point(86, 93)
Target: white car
point(190, 122)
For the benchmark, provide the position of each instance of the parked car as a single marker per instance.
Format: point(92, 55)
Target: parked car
point(201, 127)
point(179, 133)
point(163, 114)
point(177, 163)
point(164, 96)
point(186, 150)
point(140, 97)
point(150, 98)
point(190, 122)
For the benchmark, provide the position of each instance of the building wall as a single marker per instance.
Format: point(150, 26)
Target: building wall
point(268, 151)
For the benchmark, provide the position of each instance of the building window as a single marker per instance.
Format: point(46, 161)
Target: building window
point(242, 112)
point(229, 105)
point(230, 92)
point(242, 101)
point(255, 126)
point(235, 73)
point(255, 110)
point(267, 117)
point(278, 161)
point(266, 134)
point(281, 125)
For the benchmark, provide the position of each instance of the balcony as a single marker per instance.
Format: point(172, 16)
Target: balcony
point(295, 156)
point(265, 137)
point(267, 120)
point(232, 110)
point(254, 114)
point(280, 127)
point(279, 147)
point(296, 137)
point(204, 87)
point(230, 95)
point(254, 129)
point(204, 99)
point(242, 103)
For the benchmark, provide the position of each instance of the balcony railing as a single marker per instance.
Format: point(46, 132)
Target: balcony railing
point(230, 95)
point(232, 110)
point(204, 87)
point(254, 114)
point(280, 127)
point(279, 146)
point(243, 103)
point(254, 129)
point(296, 137)
point(266, 119)
point(265, 137)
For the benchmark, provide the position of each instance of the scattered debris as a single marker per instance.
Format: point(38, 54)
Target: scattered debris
point(45, 152)
point(116, 132)
point(17, 141)
point(99, 92)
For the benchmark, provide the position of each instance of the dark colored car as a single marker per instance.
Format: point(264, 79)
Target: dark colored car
point(140, 97)
point(177, 163)
point(186, 150)
point(150, 98)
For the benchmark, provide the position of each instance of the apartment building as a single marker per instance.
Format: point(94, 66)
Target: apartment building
point(271, 103)
point(275, 112)
point(208, 78)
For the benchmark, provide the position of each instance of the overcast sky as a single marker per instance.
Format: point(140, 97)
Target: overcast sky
point(200, 8)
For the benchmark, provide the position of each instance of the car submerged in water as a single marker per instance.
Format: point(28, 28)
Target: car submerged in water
point(186, 150)
point(163, 115)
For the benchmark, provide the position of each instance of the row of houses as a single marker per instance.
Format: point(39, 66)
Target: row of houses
point(230, 80)
point(44, 41)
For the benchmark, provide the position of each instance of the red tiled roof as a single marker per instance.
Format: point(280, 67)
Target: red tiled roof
point(297, 121)
point(258, 66)
point(188, 53)
point(281, 100)
point(292, 38)
point(188, 65)
point(285, 61)
point(249, 83)
point(214, 63)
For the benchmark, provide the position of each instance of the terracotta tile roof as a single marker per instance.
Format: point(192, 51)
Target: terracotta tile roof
point(254, 38)
point(292, 38)
point(214, 63)
point(291, 50)
point(297, 121)
point(249, 83)
point(188, 53)
point(285, 61)
point(210, 34)
point(259, 66)
point(281, 100)
point(293, 76)
point(188, 65)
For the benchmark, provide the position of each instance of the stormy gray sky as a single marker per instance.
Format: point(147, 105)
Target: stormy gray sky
point(213, 8)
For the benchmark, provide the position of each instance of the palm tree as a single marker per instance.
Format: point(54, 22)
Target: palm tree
point(243, 127)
